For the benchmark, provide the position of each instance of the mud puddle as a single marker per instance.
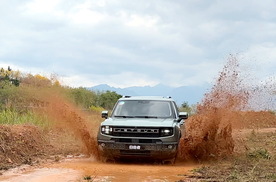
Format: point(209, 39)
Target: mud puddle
point(43, 175)
point(80, 170)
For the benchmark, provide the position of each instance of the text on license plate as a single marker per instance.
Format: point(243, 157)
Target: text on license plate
point(134, 147)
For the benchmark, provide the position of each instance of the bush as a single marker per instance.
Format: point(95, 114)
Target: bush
point(96, 108)
point(83, 97)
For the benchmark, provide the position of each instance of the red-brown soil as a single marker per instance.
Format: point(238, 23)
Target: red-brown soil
point(22, 144)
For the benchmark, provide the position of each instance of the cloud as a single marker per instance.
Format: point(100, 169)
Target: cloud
point(135, 42)
point(116, 80)
point(262, 58)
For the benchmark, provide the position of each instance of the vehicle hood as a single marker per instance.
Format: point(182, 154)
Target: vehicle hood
point(140, 122)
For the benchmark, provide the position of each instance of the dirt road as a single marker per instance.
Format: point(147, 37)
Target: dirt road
point(82, 169)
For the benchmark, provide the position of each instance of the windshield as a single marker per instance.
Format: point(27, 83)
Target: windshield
point(143, 109)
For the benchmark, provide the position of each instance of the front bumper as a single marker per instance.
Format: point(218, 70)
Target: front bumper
point(159, 150)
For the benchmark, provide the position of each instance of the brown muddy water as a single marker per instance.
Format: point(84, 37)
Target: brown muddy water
point(76, 170)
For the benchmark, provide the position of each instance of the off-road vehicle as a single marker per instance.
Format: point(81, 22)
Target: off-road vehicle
point(141, 127)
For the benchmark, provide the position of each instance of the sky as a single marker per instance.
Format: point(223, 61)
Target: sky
point(126, 43)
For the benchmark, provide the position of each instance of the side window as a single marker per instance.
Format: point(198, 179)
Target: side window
point(176, 109)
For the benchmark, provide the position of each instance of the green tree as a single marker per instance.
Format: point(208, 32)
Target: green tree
point(108, 99)
point(190, 109)
point(9, 77)
point(83, 97)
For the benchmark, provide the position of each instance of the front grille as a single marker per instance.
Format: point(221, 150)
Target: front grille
point(136, 132)
point(129, 140)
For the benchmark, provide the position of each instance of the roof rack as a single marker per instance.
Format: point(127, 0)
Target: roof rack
point(165, 97)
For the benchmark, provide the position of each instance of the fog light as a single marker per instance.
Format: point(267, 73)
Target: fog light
point(103, 144)
point(170, 146)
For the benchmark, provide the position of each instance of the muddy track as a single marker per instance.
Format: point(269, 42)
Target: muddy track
point(82, 169)
point(85, 169)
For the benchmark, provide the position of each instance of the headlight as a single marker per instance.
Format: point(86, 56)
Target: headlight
point(166, 131)
point(107, 130)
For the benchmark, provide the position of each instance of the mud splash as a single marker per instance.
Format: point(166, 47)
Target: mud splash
point(208, 134)
point(65, 116)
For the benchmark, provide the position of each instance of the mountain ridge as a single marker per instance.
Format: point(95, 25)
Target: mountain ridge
point(190, 94)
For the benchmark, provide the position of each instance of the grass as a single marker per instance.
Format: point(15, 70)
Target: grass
point(257, 163)
point(13, 117)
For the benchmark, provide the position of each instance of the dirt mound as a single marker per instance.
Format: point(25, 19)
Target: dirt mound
point(253, 119)
point(20, 144)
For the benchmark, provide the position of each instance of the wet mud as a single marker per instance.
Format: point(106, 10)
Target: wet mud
point(81, 169)
point(42, 175)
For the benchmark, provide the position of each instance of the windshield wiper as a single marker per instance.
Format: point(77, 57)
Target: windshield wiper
point(145, 116)
point(121, 116)
point(124, 116)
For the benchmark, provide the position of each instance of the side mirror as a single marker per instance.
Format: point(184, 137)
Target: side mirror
point(183, 115)
point(105, 114)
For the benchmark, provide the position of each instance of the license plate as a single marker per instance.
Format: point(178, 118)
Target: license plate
point(134, 147)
